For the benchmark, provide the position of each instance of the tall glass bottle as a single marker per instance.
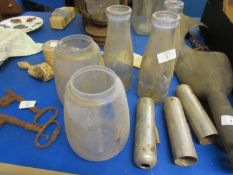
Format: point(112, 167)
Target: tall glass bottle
point(142, 11)
point(158, 62)
point(118, 50)
point(176, 6)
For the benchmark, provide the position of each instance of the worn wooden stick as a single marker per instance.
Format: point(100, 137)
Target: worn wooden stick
point(8, 169)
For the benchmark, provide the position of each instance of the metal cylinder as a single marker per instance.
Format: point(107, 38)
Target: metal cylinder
point(146, 134)
point(196, 115)
point(223, 117)
point(183, 150)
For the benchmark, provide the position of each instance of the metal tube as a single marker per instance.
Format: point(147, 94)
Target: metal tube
point(196, 115)
point(146, 134)
point(183, 150)
point(222, 110)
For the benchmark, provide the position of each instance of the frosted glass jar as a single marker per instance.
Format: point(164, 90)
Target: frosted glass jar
point(72, 53)
point(96, 113)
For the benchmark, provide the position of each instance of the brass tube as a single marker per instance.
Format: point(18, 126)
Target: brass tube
point(220, 107)
point(146, 134)
point(183, 150)
point(196, 115)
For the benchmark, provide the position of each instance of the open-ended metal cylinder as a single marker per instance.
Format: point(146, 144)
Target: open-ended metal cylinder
point(223, 117)
point(183, 150)
point(146, 134)
point(196, 115)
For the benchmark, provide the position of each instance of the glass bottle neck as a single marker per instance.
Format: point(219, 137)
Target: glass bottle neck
point(119, 27)
point(175, 6)
point(160, 40)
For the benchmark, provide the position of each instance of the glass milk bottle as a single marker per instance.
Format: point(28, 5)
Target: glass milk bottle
point(158, 62)
point(118, 50)
point(142, 11)
point(176, 6)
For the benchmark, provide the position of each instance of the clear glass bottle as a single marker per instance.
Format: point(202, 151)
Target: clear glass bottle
point(96, 8)
point(142, 11)
point(96, 113)
point(72, 53)
point(158, 62)
point(118, 49)
point(176, 6)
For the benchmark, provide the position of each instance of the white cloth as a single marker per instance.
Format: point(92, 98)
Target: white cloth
point(14, 42)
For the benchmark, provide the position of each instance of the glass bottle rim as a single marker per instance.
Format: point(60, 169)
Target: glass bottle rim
point(119, 10)
point(160, 19)
point(93, 96)
point(174, 3)
point(74, 50)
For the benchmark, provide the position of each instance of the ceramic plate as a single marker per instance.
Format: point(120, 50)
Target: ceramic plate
point(24, 23)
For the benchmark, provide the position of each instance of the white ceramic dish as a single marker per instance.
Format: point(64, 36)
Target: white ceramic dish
point(24, 23)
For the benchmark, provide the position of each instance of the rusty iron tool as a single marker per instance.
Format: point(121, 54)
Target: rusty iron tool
point(35, 126)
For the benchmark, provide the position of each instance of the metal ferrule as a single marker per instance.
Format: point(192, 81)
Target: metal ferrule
point(183, 150)
point(196, 115)
point(146, 134)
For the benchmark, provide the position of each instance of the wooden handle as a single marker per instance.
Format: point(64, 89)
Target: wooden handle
point(8, 169)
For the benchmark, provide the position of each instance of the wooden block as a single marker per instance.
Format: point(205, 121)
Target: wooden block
point(228, 9)
point(9, 169)
point(60, 22)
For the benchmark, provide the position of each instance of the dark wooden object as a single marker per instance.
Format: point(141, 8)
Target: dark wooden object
point(95, 28)
point(9, 8)
point(219, 35)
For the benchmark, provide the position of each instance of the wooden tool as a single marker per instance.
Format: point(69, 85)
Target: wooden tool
point(8, 169)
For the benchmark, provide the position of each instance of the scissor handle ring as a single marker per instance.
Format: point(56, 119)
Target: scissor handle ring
point(52, 138)
point(38, 115)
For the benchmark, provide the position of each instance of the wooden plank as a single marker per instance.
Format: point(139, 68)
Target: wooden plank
point(9, 169)
point(228, 9)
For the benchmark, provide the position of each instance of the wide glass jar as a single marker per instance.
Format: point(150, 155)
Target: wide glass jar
point(158, 62)
point(118, 49)
point(72, 53)
point(96, 113)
